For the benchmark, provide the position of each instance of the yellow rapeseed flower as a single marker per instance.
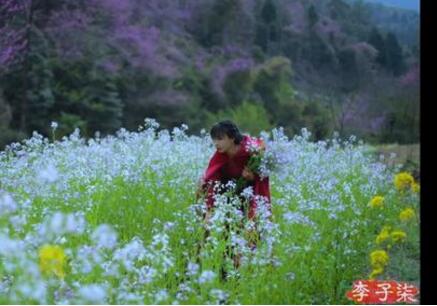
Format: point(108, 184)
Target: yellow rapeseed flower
point(403, 181)
point(415, 187)
point(379, 259)
point(52, 260)
point(376, 272)
point(406, 214)
point(377, 201)
point(398, 236)
point(383, 235)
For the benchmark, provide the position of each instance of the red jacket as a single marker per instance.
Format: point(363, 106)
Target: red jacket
point(222, 165)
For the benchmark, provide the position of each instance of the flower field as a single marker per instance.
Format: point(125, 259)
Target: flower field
point(114, 220)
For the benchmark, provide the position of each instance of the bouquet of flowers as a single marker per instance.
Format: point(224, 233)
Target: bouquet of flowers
point(261, 162)
point(257, 150)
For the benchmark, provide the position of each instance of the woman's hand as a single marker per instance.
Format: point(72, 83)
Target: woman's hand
point(248, 174)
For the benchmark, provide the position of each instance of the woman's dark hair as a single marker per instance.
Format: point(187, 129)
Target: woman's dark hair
point(227, 127)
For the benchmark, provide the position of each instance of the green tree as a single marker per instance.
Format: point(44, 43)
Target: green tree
point(316, 117)
point(395, 58)
point(402, 116)
point(105, 106)
point(313, 16)
point(7, 135)
point(267, 26)
point(338, 9)
point(377, 41)
point(68, 123)
point(349, 70)
point(269, 79)
point(40, 96)
point(317, 51)
point(86, 93)
point(249, 116)
point(237, 86)
point(222, 11)
point(268, 12)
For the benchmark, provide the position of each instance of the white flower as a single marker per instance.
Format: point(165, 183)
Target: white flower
point(10, 247)
point(160, 296)
point(230, 184)
point(297, 218)
point(93, 293)
point(18, 221)
point(61, 240)
point(48, 174)
point(104, 236)
point(151, 123)
point(111, 268)
point(206, 277)
point(193, 268)
point(146, 275)
point(7, 204)
point(247, 192)
point(290, 276)
point(219, 295)
point(34, 291)
point(54, 125)
point(131, 252)
point(124, 297)
point(56, 222)
point(75, 223)
point(238, 241)
point(168, 225)
point(87, 257)
point(160, 241)
point(252, 145)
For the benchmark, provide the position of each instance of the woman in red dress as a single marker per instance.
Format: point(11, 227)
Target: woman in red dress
point(228, 163)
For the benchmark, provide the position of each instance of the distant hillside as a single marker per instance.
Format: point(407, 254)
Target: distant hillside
point(404, 23)
point(402, 17)
point(327, 35)
point(405, 4)
point(290, 63)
